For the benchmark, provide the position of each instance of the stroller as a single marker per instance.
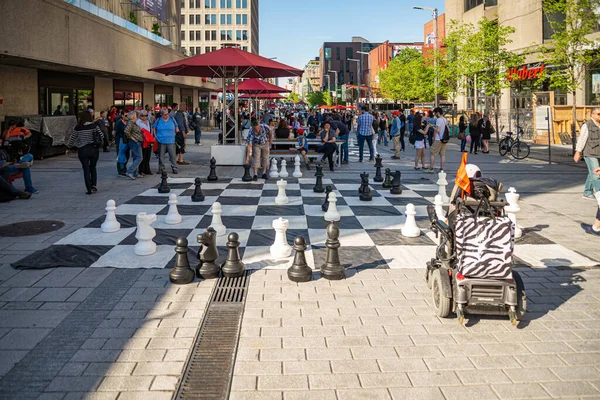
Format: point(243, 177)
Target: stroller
point(472, 271)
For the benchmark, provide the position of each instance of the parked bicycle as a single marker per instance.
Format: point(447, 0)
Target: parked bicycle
point(515, 146)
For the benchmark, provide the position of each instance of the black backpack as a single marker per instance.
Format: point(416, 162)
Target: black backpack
point(446, 136)
point(97, 138)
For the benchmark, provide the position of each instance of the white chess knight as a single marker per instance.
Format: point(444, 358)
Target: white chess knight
point(410, 228)
point(217, 222)
point(173, 217)
point(442, 183)
point(332, 213)
point(144, 234)
point(281, 196)
point(297, 173)
point(273, 173)
point(110, 224)
point(439, 210)
point(512, 198)
point(280, 248)
point(283, 172)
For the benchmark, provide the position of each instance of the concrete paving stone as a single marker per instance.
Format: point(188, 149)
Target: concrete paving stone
point(80, 294)
point(361, 330)
point(142, 355)
point(363, 394)
point(422, 393)
point(404, 329)
point(348, 341)
point(109, 369)
point(90, 277)
point(544, 360)
point(256, 395)
point(74, 384)
point(134, 298)
point(23, 339)
point(258, 368)
point(303, 342)
point(252, 331)
point(427, 340)
point(379, 320)
point(171, 314)
point(180, 323)
point(585, 346)
point(530, 375)
point(194, 314)
point(139, 323)
point(243, 382)
point(125, 383)
point(73, 369)
point(352, 312)
point(306, 367)
point(262, 342)
point(418, 351)
point(463, 350)
point(329, 354)
point(164, 383)
point(310, 395)
point(581, 359)
point(577, 374)
point(167, 343)
point(333, 381)
point(269, 322)
point(433, 378)
point(59, 277)
point(186, 332)
point(4, 331)
point(95, 356)
point(586, 335)
point(69, 306)
point(24, 278)
point(23, 294)
point(322, 331)
point(305, 305)
point(8, 359)
point(102, 333)
point(495, 362)
point(290, 331)
point(402, 365)
point(520, 391)
point(110, 323)
point(419, 319)
point(354, 366)
point(548, 347)
point(499, 349)
point(286, 354)
point(177, 355)
point(55, 294)
point(283, 382)
point(449, 364)
point(344, 303)
point(302, 321)
point(563, 325)
point(445, 328)
point(469, 393)
point(155, 332)
point(381, 380)
point(91, 396)
point(476, 338)
point(373, 353)
point(277, 312)
point(128, 314)
point(247, 355)
point(51, 396)
point(484, 376)
point(263, 304)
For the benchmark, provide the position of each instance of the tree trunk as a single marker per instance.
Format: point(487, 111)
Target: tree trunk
point(574, 123)
point(497, 103)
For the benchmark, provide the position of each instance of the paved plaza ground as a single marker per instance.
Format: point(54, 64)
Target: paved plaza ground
point(103, 333)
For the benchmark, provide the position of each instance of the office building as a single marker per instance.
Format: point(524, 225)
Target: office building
point(311, 79)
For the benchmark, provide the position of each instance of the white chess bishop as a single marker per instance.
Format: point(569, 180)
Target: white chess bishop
point(144, 234)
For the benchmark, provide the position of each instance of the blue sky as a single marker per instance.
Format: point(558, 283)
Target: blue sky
point(294, 30)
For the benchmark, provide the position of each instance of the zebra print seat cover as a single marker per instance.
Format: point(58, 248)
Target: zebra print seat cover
point(484, 247)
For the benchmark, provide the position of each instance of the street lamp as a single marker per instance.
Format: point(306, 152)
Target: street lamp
point(328, 83)
point(434, 13)
point(358, 72)
point(336, 82)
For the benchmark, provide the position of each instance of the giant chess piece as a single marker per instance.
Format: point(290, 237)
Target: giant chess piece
point(387, 182)
point(319, 184)
point(439, 207)
point(181, 273)
point(247, 177)
point(233, 267)
point(325, 205)
point(208, 253)
point(280, 248)
point(164, 185)
point(297, 173)
point(378, 166)
point(110, 224)
point(281, 196)
point(332, 213)
point(144, 234)
point(273, 173)
point(396, 182)
point(299, 271)
point(217, 222)
point(173, 217)
point(512, 198)
point(332, 269)
point(198, 196)
point(365, 190)
point(283, 173)
point(442, 183)
point(212, 176)
point(410, 228)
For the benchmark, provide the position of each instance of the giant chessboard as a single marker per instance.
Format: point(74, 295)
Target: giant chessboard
point(370, 234)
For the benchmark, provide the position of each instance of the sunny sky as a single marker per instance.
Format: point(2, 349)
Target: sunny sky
point(294, 31)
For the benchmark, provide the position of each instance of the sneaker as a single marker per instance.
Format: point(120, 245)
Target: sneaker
point(184, 163)
point(94, 189)
point(265, 176)
point(24, 195)
point(589, 197)
point(430, 170)
point(199, 144)
point(122, 176)
point(255, 178)
point(395, 158)
point(32, 190)
point(417, 169)
point(141, 175)
point(174, 171)
point(589, 228)
point(130, 177)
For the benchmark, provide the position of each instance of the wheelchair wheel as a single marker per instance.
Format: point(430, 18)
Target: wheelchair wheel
point(521, 296)
point(520, 150)
point(441, 301)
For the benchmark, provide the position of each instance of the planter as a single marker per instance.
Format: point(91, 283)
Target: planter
point(231, 154)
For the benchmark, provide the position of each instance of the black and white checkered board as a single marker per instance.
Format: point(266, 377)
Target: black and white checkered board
point(370, 231)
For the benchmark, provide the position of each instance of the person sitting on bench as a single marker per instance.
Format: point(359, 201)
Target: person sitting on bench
point(8, 169)
point(302, 147)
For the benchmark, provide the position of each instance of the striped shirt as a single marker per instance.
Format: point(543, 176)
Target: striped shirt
point(365, 124)
point(84, 135)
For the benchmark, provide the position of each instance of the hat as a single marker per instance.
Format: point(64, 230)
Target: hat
point(300, 131)
point(395, 112)
point(472, 171)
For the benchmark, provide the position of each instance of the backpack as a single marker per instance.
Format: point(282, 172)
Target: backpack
point(412, 138)
point(97, 137)
point(446, 136)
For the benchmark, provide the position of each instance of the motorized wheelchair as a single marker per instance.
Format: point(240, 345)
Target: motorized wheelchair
point(472, 270)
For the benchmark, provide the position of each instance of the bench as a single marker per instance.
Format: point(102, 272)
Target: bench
point(14, 177)
point(312, 145)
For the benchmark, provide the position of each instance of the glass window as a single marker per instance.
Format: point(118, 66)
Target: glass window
point(183, 4)
point(191, 20)
point(245, 48)
point(182, 35)
point(210, 3)
point(182, 19)
point(198, 3)
point(128, 100)
point(469, 4)
point(241, 3)
point(238, 19)
point(213, 48)
point(213, 19)
point(213, 35)
point(206, 35)
point(225, 3)
point(337, 53)
point(225, 19)
point(198, 35)
point(327, 53)
point(192, 35)
point(222, 35)
point(348, 52)
point(347, 66)
point(192, 51)
point(244, 35)
point(229, 35)
point(198, 50)
point(222, 19)
point(198, 19)
point(206, 50)
point(206, 19)
point(163, 100)
point(192, 2)
point(238, 35)
point(229, 19)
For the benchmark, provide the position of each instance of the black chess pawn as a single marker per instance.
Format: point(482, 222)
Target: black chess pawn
point(212, 176)
point(164, 185)
point(396, 182)
point(387, 183)
point(208, 253)
point(181, 273)
point(299, 271)
point(233, 267)
point(198, 195)
point(361, 187)
point(378, 166)
point(319, 184)
point(332, 269)
point(325, 206)
point(247, 177)
point(365, 190)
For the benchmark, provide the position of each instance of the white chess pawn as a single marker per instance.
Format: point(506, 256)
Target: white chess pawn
point(410, 228)
point(512, 198)
point(283, 172)
point(281, 196)
point(144, 234)
point(280, 248)
point(442, 183)
point(273, 173)
point(217, 222)
point(110, 224)
point(439, 209)
point(297, 173)
point(173, 217)
point(332, 213)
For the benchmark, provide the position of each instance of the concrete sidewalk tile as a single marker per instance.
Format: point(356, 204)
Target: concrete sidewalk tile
point(303, 305)
point(278, 312)
point(302, 321)
point(177, 355)
point(91, 396)
point(322, 331)
point(126, 344)
point(247, 354)
point(306, 367)
point(577, 374)
point(125, 383)
point(70, 306)
point(74, 384)
point(361, 330)
point(142, 355)
point(585, 346)
point(270, 322)
point(501, 349)
point(428, 340)
point(289, 331)
point(168, 343)
point(140, 323)
point(20, 294)
point(418, 351)
point(164, 383)
point(90, 277)
point(348, 341)
point(494, 362)
point(423, 393)
point(302, 342)
point(282, 355)
point(449, 363)
point(402, 365)
point(109, 369)
point(484, 376)
point(548, 347)
point(548, 360)
point(154, 332)
point(374, 353)
point(243, 382)
point(363, 394)
point(258, 368)
point(581, 359)
point(405, 330)
point(256, 395)
point(101, 333)
point(8, 358)
point(59, 277)
point(23, 339)
point(25, 278)
point(329, 354)
point(180, 323)
point(186, 332)
point(310, 395)
point(469, 350)
point(384, 380)
point(353, 312)
point(333, 381)
point(54, 294)
point(516, 337)
point(476, 338)
point(260, 343)
point(95, 356)
point(469, 393)
point(520, 391)
point(51, 396)
point(379, 320)
point(145, 395)
point(283, 382)
point(354, 366)
point(433, 378)
point(73, 369)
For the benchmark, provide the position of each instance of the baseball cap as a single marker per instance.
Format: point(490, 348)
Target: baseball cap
point(472, 170)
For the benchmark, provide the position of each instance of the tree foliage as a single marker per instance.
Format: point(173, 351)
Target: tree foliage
point(457, 62)
point(293, 97)
point(408, 77)
point(328, 98)
point(315, 99)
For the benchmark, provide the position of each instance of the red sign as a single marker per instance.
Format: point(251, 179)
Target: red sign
point(529, 71)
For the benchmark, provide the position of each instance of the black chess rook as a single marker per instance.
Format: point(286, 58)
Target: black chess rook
point(396, 182)
point(319, 184)
point(333, 269)
point(164, 185)
point(181, 274)
point(378, 166)
point(208, 254)
point(387, 182)
point(233, 267)
point(198, 196)
point(247, 177)
point(325, 205)
point(212, 176)
point(299, 271)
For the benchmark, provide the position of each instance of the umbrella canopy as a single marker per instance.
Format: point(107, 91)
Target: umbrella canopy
point(256, 86)
point(262, 96)
point(228, 62)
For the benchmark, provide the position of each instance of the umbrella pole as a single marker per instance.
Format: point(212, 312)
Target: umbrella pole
point(224, 111)
point(236, 108)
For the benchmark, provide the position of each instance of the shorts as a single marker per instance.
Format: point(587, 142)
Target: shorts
point(260, 155)
point(438, 148)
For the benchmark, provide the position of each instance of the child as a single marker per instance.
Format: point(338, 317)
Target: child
point(302, 147)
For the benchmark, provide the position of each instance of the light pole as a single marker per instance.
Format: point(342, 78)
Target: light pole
point(358, 70)
point(434, 13)
point(336, 81)
point(328, 83)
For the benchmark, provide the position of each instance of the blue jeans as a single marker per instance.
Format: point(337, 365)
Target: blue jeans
point(361, 146)
point(197, 135)
point(26, 172)
point(463, 143)
point(344, 148)
point(592, 183)
point(382, 137)
point(136, 154)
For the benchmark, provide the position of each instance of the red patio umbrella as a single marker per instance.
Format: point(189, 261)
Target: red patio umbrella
point(262, 96)
point(256, 86)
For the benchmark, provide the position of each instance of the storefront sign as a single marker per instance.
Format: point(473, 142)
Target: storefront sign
point(528, 71)
point(154, 7)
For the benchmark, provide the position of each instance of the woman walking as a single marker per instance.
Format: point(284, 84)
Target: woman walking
point(420, 129)
point(462, 128)
point(87, 149)
point(135, 139)
point(144, 125)
point(474, 132)
point(485, 129)
point(383, 130)
point(164, 130)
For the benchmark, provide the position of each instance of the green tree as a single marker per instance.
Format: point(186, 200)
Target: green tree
point(315, 99)
point(293, 97)
point(570, 48)
point(408, 77)
point(328, 98)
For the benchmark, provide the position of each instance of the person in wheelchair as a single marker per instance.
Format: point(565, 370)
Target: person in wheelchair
point(16, 139)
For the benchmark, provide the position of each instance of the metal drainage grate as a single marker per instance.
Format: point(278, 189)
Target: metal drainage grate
point(209, 368)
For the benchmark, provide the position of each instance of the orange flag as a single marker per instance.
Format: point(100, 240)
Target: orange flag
point(462, 179)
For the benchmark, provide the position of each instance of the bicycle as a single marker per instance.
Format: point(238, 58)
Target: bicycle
point(518, 149)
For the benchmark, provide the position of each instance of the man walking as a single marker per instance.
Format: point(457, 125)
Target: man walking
point(365, 133)
point(258, 143)
point(589, 144)
point(195, 124)
point(437, 147)
point(397, 125)
point(179, 117)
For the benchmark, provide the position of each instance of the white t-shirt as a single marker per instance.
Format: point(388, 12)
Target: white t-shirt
point(441, 124)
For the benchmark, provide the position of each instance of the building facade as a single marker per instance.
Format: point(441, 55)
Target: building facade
point(90, 54)
point(379, 59)
point(207, 24)
point(311, 79)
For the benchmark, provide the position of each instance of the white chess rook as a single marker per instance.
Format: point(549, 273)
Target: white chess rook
point(512, 198)
point(144, 234)
point(283, 173)
point(273, 173)
point(173, 217)
point(332, 213)
point(281, 196)
point(439, 210)
point(217, 222)
point(442, 183)
point(410, 228)
point(280, 248)
point(297, 173)
point(110, 224)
